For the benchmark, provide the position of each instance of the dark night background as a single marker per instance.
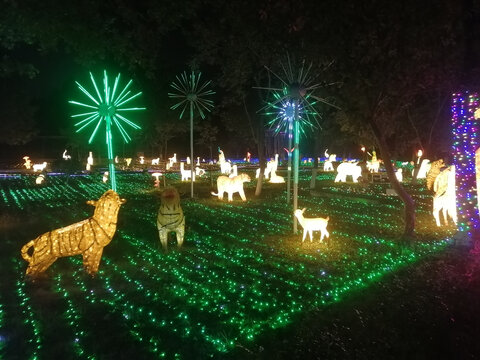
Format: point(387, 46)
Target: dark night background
point(392, 64)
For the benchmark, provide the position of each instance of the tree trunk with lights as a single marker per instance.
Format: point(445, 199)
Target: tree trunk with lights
point(409, 214)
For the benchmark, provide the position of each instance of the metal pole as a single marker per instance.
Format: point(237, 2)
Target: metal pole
point(296, 161)
point(191, 149)
point(289, 172)
point(111, 166)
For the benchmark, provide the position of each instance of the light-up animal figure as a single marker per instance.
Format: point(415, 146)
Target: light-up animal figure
point(424, 168)
point(170, 217)
point(198, 161)
point(39, 167)
point(89, 161)
point(172, 160)
point(373, 166)
point(276, 179)
point(199, 171)
point(87, 237)
point(66, 156)
point(142, 160)
point(186, 174)
point(116, 159)
point(435, 168)
point(234, 171)
point(329, 159)
point(225, 167)
point(231, 186)
point(188, 160)
point(156, 161)
point(128, 161)
point(310, 225)
point(445, 196)
point(348, 169)
point(399, 175)
point(39, 180)
point(105, 177)
point(28, 162)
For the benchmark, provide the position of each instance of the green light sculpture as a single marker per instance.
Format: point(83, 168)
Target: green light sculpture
point(191, 93)
point(107, 107)
point(297, 88)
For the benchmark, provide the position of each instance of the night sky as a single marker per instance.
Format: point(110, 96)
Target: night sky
point(413, 55)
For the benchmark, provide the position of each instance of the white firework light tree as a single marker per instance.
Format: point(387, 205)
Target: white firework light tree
point(294, 102)
point(191, 94)
point(106, 108)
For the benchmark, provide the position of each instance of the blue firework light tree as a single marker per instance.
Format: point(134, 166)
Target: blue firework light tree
point(191, 94)
point(295, 105)
point(106, 107)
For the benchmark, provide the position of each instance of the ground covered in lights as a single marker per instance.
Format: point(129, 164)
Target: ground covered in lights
point(242, 285)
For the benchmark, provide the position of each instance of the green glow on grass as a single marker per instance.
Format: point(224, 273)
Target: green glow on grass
point(106, 108)
point(229, 284)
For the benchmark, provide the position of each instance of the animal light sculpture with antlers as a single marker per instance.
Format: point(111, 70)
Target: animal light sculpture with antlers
point(87, 237)
point(310, 225)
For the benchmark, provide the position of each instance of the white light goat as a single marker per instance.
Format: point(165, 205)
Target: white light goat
point(39, 167)
point(312, 224)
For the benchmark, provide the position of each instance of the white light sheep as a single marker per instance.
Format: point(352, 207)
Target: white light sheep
point(39, 167)
point(312, 224)
point(155, 161)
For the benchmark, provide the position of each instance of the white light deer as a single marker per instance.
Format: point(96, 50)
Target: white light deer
point(312, 224)
point(348, 169)
point(445, 197)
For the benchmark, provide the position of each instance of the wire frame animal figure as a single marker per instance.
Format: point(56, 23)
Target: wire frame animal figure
point(310, 225)
point(231, 186)
point(87, 237)
point(170, 217)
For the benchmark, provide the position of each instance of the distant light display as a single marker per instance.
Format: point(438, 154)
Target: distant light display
point(465, 144)
point(107, 107)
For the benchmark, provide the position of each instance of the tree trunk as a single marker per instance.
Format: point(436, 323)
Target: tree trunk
point(409, 214)
point(261, 157)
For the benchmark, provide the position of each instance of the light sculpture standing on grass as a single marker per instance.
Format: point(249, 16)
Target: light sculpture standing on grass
point(191, 94)
point(107, 107)
point(294, 101)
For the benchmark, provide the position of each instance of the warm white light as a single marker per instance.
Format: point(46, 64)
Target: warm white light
point(312, 224)
point(170, 217)
point(28, 162)
point(39, 167)
point(231, 186)
point(186, 174)
point(87, 237)
point(348, 169)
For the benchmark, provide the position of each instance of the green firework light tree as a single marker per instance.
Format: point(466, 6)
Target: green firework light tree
point(191, 94)
point(297, 88)
point(107, 108)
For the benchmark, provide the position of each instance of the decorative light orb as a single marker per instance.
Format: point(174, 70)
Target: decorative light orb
point(87, 237)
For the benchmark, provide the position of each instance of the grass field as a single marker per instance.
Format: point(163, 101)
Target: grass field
point(240, 278)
